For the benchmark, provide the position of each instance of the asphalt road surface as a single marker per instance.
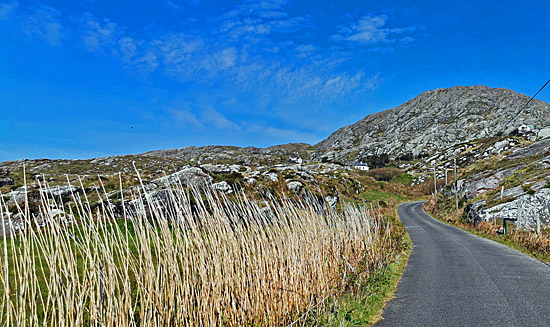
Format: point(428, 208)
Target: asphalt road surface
point(454, 278)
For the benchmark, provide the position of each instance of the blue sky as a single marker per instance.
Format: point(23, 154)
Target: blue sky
point(81, 79)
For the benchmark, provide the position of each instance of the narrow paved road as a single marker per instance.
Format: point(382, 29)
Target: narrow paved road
point(454, 278)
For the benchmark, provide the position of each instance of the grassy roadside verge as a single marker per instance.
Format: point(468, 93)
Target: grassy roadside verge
point(532, 244)
point(363, 306)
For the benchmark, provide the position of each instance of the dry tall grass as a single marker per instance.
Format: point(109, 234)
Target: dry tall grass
point(198, 259)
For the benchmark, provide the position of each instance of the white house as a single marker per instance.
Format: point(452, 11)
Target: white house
point(360, 166)
point(524, 129)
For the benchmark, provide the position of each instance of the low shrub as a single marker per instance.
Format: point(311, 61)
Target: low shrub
point(384, 174)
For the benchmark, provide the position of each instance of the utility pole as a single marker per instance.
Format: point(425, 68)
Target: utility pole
point(435, 183)
point(538, 222)
point(456, 193)
point(446, 180)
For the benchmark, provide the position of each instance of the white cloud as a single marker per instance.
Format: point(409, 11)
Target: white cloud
point(270, 4)
point(333, 80)
point(242, 57)
point(304, 50)
point(45, 23)
point(228, 58)
point(177, 53)
point(260, 26)
point(193, 116)
point(173, 5)
point(281, 135)
point(7, 9)
point(219, 61)
point(216, 119)
point(312, 82)
point(273, 14)
point(146, 63)
point(177, 6)
point(184, 118)
point(370, 30)
point(128, 48)
point(99, 36)
point(255, 19)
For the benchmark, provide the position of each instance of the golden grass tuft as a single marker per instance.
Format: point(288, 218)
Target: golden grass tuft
point(196, 259)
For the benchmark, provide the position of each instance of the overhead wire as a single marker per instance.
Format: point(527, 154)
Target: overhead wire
point(496, 134)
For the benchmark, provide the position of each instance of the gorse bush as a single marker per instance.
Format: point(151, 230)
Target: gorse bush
point(191, 259)
point(384, 174)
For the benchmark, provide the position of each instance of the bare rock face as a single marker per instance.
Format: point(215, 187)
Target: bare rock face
point(60, 190)
point(16, 196)
point(272, 176)
point(435, 120)
point(478, 186)
point(294, 186)
point(544, 133)
point(542, 146)
point(6, 181)
point(525, 208)
point(190, 176)
point(222, 186)
point(332, 201)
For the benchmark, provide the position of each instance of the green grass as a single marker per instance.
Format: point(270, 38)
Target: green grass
point(403, 179)
point(375, 195)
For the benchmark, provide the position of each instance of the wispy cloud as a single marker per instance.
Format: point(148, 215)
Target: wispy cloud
point(218, 120)
point(304, 50)
point(7, 9)
point(173, 5)
point(371, 30)
point(184, 118)
point(282, 135)
point(177, 53)
point(44, 23)
point(100, 35)
point(190, 115)
point(253, 19)
point(257, 52)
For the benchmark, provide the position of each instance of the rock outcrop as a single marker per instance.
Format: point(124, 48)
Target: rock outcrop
point(189, 176)
point(526, 208)
point(6, 181)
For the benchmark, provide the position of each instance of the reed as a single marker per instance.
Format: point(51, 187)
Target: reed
point(196, 258)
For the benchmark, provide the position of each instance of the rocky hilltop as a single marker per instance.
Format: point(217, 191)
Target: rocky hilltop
point(432, 121)
point(232, 154)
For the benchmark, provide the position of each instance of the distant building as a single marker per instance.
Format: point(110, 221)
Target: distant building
point(360, 166)
point(524, 129)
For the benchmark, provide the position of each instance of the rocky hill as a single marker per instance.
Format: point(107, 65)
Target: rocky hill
point(432, 121)
point(232, 154)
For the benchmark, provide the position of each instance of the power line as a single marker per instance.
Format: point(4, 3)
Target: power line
point(518, 113)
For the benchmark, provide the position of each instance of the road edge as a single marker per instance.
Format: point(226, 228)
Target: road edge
point(398, 269)
point(511, 245)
